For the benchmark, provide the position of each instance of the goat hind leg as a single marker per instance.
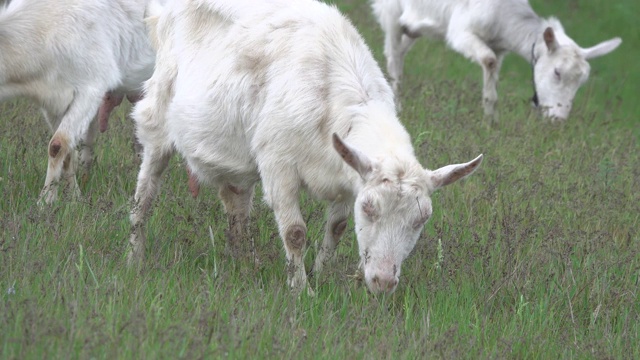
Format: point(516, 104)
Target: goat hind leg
point(86, 150)
point(337, 215)
point(396, 46)
point(237, 204)
point(154, 162)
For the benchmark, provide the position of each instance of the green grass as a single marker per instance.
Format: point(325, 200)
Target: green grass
point(534, 256)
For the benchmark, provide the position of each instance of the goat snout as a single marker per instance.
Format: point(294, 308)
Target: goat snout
point(557, 113)
point(383, 283)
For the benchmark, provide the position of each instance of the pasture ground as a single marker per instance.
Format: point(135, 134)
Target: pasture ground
point(534, 256)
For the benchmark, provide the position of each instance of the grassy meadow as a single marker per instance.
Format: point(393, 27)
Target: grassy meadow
point(536, 255)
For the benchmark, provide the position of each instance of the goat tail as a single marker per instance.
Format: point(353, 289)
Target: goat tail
point(151, 17)
point(387, 12)
point(154, 9)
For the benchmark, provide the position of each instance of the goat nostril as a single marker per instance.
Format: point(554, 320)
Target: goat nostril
point(375, 280)
point(392, 284)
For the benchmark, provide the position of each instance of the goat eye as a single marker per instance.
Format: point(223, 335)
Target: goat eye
point(419, 222)
point(556, 73)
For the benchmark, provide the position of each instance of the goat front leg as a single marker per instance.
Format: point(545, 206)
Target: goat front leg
point(69, 168)
point(337, 215)
point(490, 76)
point(59, 153)
point(471, 46)
point(396, 46)
point(281, 193)
point(74, 124)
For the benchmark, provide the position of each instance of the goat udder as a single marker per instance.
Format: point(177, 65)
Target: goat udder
point(109, 102)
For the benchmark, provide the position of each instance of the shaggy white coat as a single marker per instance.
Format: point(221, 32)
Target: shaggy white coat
point(66, 55)
point(485, 31)
point(286, 93)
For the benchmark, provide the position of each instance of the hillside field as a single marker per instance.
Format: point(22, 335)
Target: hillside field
point(535, 256)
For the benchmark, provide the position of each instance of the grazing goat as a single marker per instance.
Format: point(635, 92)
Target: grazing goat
point(286, 93)
point(67, 56)
point(485, 31)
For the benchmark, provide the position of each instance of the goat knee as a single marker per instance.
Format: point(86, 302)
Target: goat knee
point(339, 228)
point(54, 147)
point(295, 238)
point(58, 146)
point(490, 63)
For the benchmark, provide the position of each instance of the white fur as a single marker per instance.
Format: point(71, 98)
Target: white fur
point(277, 91)
point(66, 55)
point(485, 31)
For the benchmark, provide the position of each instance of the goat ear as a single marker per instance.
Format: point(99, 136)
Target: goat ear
point(550, 39)
point(451, 173)
point(603, 48)
point(356, 159)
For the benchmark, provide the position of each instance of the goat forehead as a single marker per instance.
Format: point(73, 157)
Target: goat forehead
point(570, 61)
point(402, 173)
point(396, 182)
point(400, 199)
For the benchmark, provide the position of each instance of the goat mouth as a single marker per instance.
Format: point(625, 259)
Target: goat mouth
point(534, 100)
point(548, 114)
point(410, 33)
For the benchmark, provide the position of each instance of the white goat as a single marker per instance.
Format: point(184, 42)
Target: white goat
point(287, 93)
point(67, 55)
point(485, 31)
